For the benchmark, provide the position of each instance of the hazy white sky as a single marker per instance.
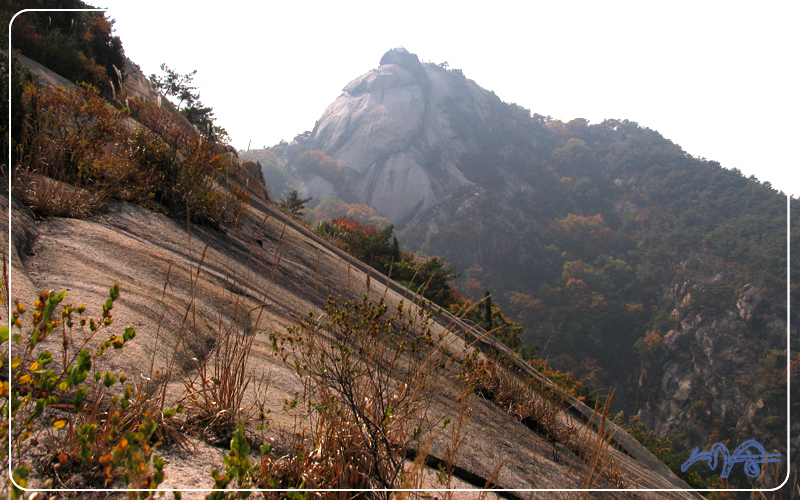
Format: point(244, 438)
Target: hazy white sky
point(719, 78)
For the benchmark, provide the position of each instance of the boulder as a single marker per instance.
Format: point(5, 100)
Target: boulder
point(750, 302)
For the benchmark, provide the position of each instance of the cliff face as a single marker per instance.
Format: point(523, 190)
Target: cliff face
point(390, 131)
point(713, 376)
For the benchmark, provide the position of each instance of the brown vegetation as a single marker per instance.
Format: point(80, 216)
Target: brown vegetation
point(76, 137)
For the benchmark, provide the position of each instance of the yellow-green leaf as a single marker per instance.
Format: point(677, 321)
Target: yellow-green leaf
point(60, 423)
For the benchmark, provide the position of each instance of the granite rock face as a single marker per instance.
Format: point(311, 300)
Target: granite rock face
point(709, 370)
point(391, 132)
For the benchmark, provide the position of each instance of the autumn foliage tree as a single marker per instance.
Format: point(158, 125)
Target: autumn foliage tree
point(582, 236)
point(315, 161)
point(77, 45)
point(333, 207)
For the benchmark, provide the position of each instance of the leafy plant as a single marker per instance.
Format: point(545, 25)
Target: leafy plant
point(66, 405)
point(238, 469)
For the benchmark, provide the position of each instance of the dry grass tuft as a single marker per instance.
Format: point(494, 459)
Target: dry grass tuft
point(78, 151)
point(215, 393)
point(49, 197)
point(542, 410)
point(536, 406)
point(370, 379)
point(592, 447)
point(217, 375)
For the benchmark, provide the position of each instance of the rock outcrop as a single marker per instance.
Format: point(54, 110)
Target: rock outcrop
point(391, 132)
point(712, 371)
point(749, 303)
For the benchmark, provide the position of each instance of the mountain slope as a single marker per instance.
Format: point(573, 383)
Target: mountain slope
point(605, 241)
point(141, 250)
point(189, 289)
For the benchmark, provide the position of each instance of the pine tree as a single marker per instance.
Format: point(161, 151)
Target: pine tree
point(395, 250)
point(294, 205)
point(488, 311)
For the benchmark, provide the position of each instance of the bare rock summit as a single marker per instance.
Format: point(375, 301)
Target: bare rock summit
point(392, 131)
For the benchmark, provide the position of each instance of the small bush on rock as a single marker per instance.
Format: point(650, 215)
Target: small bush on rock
point(62, 414)
point(370, 378)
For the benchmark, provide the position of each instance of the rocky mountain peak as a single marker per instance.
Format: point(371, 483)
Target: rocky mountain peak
point(401, 57)
point(392, 131)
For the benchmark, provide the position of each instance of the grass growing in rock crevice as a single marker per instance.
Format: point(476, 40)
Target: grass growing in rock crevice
point(542, 410)
point(370, 379)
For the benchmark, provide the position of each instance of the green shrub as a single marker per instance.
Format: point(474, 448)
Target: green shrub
point(237, 468)
point(64, 404)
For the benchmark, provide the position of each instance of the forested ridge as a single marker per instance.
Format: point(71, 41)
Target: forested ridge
point(629, 264)
point(612, 246)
